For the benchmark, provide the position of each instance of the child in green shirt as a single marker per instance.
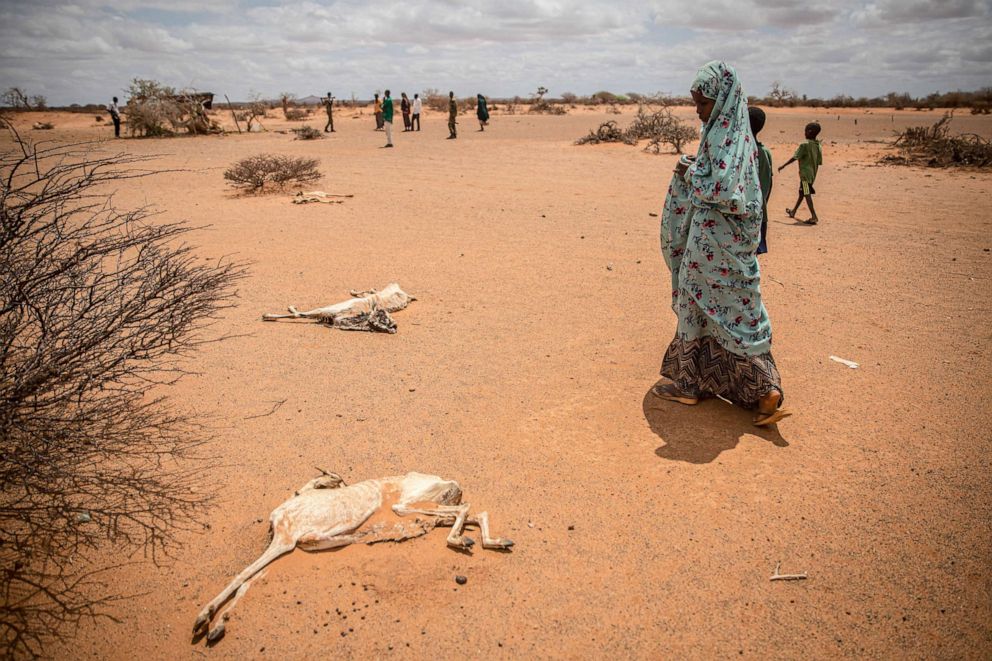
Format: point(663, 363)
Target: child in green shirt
point(756, 117)
point(810, 157)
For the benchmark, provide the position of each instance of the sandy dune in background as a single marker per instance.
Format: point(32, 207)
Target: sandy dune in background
point(523, 372)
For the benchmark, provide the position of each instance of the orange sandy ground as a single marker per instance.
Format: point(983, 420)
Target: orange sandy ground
point(523, 371)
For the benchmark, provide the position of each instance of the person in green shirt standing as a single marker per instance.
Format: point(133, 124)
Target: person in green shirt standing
point(452, 116)
point(756, 117)
point(810, 157)
point(387, 118)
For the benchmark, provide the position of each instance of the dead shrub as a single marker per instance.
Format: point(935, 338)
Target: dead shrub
point(936, 147)
point(296, 114)
point(253, 173)
point(434, 99)
point(543, 107)
point(156, 110)
point(307, 133)
point(607, 132)
point(97, 309)
point(658, 127)
point(252, 114)
point(661, 127)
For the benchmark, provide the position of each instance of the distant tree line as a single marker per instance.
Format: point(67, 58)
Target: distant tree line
point(778, 96)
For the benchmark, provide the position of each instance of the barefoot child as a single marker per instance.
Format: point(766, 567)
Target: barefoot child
point(756, 117)
point(810, 157)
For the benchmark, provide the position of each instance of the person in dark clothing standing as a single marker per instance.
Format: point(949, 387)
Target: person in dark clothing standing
point(329, 107)
point(481, 111)
point(115, 114)
point(452, 116)
point(405, 109)
point(387, 118)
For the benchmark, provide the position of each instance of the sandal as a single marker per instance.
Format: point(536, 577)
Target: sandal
point(669, 392)
point(770, 417)
point(765, 419)
point(790, 213)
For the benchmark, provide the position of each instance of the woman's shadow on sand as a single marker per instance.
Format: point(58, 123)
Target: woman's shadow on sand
point(699, 434)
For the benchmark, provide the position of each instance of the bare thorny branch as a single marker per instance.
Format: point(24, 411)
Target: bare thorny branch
point(97, 309)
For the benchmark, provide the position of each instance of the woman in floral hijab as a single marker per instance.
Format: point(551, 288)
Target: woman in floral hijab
point(710, 228)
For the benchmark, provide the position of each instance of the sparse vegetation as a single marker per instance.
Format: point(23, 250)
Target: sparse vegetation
point(307, 133)
point(434, 99)
point(936, 147)
point(607, 132)
point(296, 114)
point(253, 173)
point(97, 306)
point(253, 113)
point(155, 110)
point(658, 127)
point(18, 99)
point(540, 105)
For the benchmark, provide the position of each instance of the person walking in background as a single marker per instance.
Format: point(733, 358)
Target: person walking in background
point(710, 228)
point(115, 114)
point(417, 107)
point(810, 157)
point(452, 116)
point(756, 116)
point(481, 111)
point(387, 118)
point(329, 107)
point(405, 109)
point(377, 106)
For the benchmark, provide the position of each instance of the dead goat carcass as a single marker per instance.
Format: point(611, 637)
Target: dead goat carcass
point(366, 311)
point(327, 514)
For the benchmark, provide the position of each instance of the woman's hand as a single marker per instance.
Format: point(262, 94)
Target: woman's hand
point(683, 164)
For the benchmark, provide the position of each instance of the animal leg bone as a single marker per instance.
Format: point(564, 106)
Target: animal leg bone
point(786, 577)
point(217, 631)
point(488, 541)
point(447, 515)
point(277, 548)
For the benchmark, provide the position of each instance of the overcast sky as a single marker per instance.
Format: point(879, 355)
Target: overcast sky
point(88, 50)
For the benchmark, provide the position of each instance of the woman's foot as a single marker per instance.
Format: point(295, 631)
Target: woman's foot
point(669, 392)
point(768, 410)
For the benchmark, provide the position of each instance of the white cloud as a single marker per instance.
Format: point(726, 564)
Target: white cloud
point(90, 49)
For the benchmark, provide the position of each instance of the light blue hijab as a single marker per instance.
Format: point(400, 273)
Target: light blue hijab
point(725, 173)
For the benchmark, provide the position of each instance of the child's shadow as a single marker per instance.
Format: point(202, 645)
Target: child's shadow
point(699, 434)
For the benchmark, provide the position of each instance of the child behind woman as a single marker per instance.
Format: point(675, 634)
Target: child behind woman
point(756, 117)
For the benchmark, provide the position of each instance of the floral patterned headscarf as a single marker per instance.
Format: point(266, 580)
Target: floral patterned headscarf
point(725, 173)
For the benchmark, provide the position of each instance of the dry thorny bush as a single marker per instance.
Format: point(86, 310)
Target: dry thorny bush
point(307, 133)
point(99, 309)
point(253, 173)
point(658, 127)
point(542, 107)
point(154, 109)
point(936, 147)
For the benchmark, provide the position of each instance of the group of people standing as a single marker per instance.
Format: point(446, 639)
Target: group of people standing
point(411, 110)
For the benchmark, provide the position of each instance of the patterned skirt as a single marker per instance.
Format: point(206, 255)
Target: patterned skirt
point(700, 367)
